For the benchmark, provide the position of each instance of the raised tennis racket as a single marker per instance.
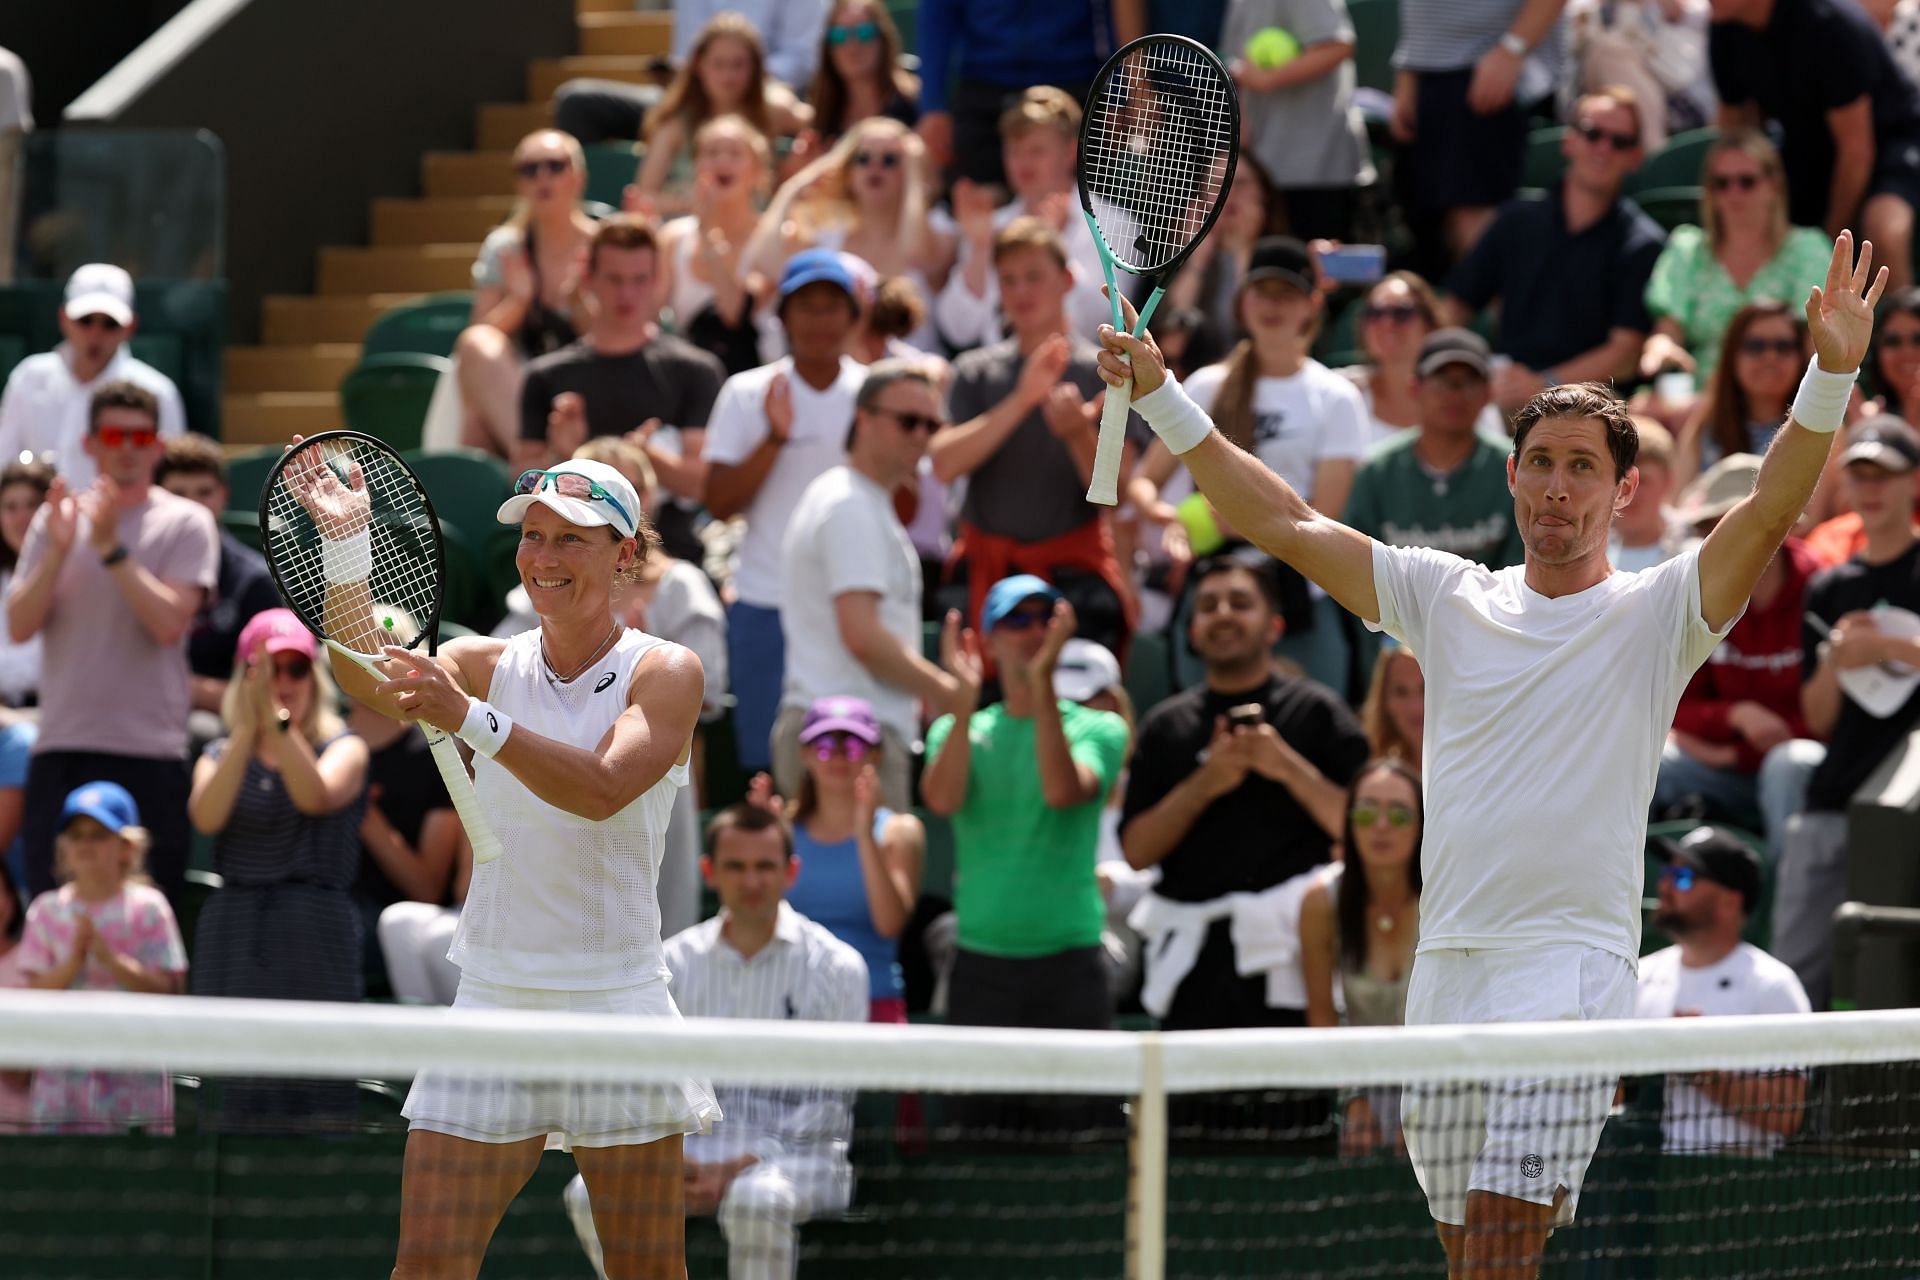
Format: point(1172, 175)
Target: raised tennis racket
point(331, 487)
point(1158, 146)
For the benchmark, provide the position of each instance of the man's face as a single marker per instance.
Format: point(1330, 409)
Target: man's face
point(750, 872)
point(1656, 486)
point(125, 445)
point(1016, 639)
point(622, 284)
point(1233, 624)
point(1602, 145)
point(1564, 491)
point(202, 487)
point(896, 428)
point(1687, 912)
point(1883, 498)
point(1452, 398)
point(1033, 289)
point(1039, 162)
point(818, 318)
point(95, 339)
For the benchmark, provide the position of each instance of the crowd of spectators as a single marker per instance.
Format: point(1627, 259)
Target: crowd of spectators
point(838, 337)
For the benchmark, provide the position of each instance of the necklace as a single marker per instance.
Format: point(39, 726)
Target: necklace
point(553, 673)
point(1385, 924)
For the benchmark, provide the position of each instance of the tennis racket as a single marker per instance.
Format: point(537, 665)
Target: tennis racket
point(334, 485)
point(1158, 146)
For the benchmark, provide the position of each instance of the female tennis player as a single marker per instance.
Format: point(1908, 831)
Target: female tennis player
point(1550, 689)
point(581, 731)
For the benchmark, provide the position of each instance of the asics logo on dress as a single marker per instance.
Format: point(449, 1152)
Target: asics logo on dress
point(605, 680)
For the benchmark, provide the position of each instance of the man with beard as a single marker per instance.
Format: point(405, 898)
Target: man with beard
point(1711, 886)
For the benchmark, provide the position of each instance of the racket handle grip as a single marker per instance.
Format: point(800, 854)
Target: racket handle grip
point(453, 772)
point(1104, 486)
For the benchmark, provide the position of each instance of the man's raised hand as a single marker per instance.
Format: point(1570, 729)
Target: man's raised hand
point(1840, 315)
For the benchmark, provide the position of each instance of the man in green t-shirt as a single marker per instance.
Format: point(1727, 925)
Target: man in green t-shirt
point(1024, 784)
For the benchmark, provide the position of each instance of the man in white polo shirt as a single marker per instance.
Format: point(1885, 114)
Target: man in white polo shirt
point(44, 407)
point(1710, 889)
point(779, 1157)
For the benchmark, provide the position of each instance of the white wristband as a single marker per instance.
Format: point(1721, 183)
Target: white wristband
point(485, 729)
point(1174, 417)
point(348, 559)
point(1822, 401)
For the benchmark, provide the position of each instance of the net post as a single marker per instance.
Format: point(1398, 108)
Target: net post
point(1147, 1167)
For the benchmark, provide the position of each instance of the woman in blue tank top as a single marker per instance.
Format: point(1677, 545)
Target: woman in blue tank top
point(859, 863)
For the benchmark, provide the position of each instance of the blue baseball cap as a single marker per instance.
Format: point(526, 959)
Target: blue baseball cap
point(1008, 594)
point(107, 803)
point(817, 266)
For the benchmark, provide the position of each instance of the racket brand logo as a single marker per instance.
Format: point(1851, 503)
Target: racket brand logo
point(605, 683)
point(1532, 1166)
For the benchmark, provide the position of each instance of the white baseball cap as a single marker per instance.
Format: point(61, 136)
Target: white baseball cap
point(1085, 670)
point(100, 289)
point(613, 502)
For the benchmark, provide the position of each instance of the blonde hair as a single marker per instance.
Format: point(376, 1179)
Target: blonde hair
point(1756, 147)
point(629, 459)
point(821, 195)
point(685, 99)
point(1656, 442)
point(1622, 97)
point(1384, 737)
point(137, 840)
point(322, 719)
point(576, 156)
point(1042, 107)
point(744, 129)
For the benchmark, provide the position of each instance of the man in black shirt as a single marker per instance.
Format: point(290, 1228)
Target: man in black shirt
point(1569, 272)
point(1224, 807)
point(1845, 652)
point(626, 378)
point(1849, 120)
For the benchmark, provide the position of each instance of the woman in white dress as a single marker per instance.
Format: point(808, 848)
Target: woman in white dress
point(582, 731)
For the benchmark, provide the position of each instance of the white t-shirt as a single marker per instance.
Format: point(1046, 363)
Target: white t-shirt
point(1545, 719)
point(844, 536)
point(44, 410)
point(821, 420)
point(1297, 422)
point(1746, 981)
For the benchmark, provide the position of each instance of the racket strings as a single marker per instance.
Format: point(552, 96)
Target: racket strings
point(1155, 149)
point(405, 578)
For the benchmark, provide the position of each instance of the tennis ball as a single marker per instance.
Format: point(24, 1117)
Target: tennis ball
point(1203, 531)
point(1272, 47)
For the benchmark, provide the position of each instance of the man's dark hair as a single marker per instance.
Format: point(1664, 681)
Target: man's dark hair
point(191, 454)
point(123, 395)
point(1582, 400)
point(1254, 564)
point(621, 231)
point(751, 819)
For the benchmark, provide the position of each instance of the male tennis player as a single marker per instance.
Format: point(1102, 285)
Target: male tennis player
point(581, 731)
point(1550, 687)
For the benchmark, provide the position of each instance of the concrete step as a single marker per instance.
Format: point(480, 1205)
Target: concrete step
point(448, 220)
point(315, 366)
point(423, 268)
point(467, 173)
point(626, 33)
point(291, 319)
point(274, 417)
point(544, 75)
point(499, 126)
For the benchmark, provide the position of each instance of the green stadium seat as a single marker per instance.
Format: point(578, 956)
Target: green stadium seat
point(163, 351)
point(610, 167)
point(13, 349)
point(428, 327)
point(1341, 332)
point(1678, 164)
point(247, 476)
point(906, 16)
point(1376, 30)
point(1544, 163)
point(1149, 674)
point(242, 524)
point(936, 875)
point(466, 488)
point(1671, 206)
point(386, 396)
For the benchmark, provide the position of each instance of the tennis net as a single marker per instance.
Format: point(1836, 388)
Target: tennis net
point(1786, 1146)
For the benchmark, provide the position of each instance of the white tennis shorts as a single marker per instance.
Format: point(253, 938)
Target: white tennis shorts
point(1524, 1138)
point(491, 1109)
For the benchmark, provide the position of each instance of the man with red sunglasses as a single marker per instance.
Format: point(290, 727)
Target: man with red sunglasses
point(44, 409)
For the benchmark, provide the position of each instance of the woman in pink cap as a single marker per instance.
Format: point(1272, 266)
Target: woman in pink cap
point(281, 795)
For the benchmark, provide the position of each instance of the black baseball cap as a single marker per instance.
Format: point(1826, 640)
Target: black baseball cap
point(1717, 856)
point(1454, 346)
point(1281, 258)
point(1885, 441)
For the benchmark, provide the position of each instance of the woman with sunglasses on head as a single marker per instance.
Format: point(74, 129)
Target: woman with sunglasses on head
point(1395, 319)
point(1362, 923)
point(859, 74)
point(282, 796)
point(526, 286)
point(1744, 250)
point(582, 732)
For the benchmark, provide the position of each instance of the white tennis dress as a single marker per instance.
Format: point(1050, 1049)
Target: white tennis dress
point(565, 919)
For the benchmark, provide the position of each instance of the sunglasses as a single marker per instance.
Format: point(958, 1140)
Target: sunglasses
point(1769, 346)
point(829, 745)
point(885, 159)
point(1399, 816)
point(293, 669)
point(531, 169)
point(910, 421)
point(1682, 877)
point(138, 437)
point(1023, 619)
point(1593, 133)
point(1731, 181)
point(570, 484)
point(98, 321)
point(858, 33)
point(1396, 313)
point(1899, 341)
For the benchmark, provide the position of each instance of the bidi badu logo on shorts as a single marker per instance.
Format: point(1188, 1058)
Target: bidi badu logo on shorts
point(1532, 1166)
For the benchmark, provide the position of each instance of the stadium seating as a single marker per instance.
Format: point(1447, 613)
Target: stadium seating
point(1671, 206)
point(1545, 163)
point(610, 167)
point(1678, 164)
point(247, 476)
point(1376, 30)
point(386, 396)
point(428, 327)
point(466, 488)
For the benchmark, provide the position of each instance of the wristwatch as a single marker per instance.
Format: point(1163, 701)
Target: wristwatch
point(283, 720)
point(114, 556)
point(1513, 44)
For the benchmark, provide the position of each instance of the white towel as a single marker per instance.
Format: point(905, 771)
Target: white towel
point(1266, 939)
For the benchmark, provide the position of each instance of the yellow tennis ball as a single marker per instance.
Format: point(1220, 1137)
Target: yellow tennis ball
point(1203, 531)
point(1272, 47)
